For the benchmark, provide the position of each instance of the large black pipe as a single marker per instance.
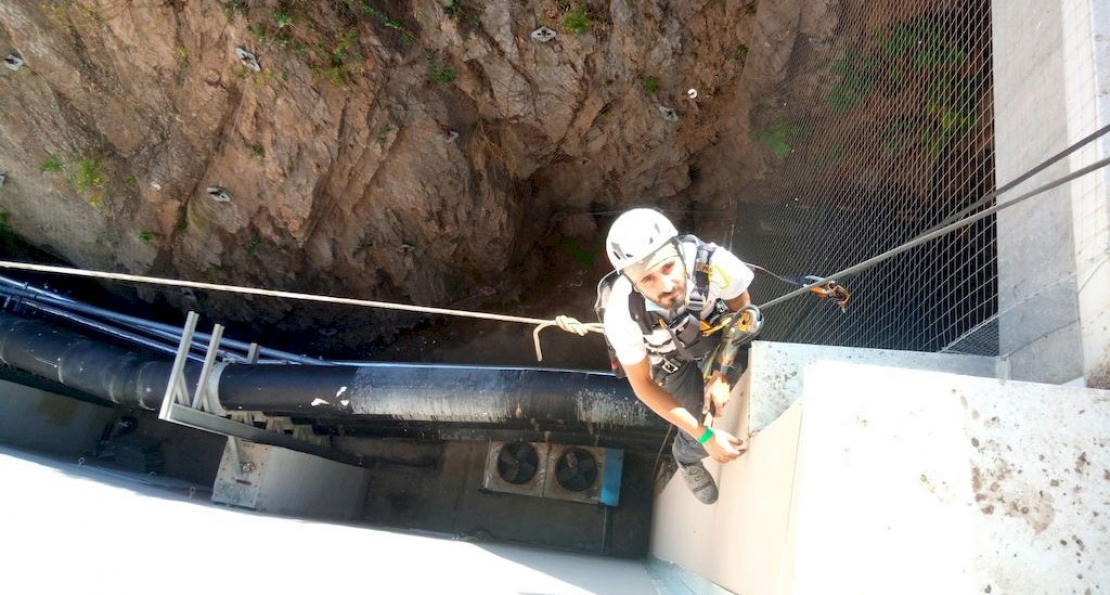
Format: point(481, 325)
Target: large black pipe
point(90, 366)
point(477, 395)
point(452, 394)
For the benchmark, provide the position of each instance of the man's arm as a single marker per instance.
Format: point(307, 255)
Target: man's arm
point(722, 447)
point(739, 302)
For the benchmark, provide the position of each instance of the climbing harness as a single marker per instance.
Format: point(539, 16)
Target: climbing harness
point(740, 329)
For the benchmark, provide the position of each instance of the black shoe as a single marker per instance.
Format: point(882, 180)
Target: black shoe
point(700, 482)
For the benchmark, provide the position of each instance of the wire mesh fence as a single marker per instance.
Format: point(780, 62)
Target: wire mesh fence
point(890, 134)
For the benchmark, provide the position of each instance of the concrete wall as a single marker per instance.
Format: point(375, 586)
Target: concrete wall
point(1050, 91)
point(39, 420)
point(886, 479)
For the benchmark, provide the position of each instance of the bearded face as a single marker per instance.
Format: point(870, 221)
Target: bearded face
point(664, 283)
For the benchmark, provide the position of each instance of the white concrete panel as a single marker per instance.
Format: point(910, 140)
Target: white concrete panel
point(282, 481)
point(921, 482)
point(776, 378)
point(741, 542)
point(36, 419)
point(66, 532)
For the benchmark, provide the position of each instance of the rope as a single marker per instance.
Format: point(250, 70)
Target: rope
point(566, 323)
point(939, 231)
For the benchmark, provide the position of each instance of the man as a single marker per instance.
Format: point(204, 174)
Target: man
point(662, 358)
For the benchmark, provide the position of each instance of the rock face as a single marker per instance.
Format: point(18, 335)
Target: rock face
point(418, 150)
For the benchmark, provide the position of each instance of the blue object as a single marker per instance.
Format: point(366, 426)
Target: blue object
point(611, 481)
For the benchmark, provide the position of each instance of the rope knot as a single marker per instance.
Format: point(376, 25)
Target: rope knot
point(568, 324)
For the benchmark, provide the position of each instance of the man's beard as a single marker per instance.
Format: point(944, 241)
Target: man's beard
point(673, 301)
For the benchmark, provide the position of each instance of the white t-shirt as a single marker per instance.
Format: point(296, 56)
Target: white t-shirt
point(728, 278)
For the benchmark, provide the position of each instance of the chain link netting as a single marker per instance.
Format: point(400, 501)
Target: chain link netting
point(882, 133)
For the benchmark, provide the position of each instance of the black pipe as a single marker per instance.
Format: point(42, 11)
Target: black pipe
point(477, 395)
point(474, 396)
point(93, 367)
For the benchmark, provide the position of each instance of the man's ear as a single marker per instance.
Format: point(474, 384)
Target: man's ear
point(630, 282)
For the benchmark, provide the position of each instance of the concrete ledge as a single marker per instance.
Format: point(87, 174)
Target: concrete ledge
point(776, 371)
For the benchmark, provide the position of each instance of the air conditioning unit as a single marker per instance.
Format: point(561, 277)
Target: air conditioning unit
point(561, 471)
point(516, 467)
point(575, 473)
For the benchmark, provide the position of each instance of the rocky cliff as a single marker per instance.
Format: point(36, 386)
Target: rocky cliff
point(428, 151)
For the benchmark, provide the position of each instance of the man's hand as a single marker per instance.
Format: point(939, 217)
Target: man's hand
point(717, 392)
point(725, 447)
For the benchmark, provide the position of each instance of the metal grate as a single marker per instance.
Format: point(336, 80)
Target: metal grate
point(894, 135)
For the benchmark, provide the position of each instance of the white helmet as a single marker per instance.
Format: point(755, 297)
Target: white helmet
point(637, 234)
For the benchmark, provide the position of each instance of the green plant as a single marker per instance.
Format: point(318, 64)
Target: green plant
point(335, 75)
point(740, 54)
point(651, 85)
point(857, 74)
point(52, 164)
point(147, 236)
point(253, 242)
point(577, 20)
point(282, 19)
point(831, 155)
point(779, 137)
point(383, 134)
point(234, 8)
point(340, 52)
point(583, 256)
point(258, 150)
point(455, 8)
point(131, 181)
point(7, 236)
point(365, 242)
point(440, 72)
point(88, 174)
point(923, 40)
point(259, 33)
point(383, 18)
point(750, 9)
